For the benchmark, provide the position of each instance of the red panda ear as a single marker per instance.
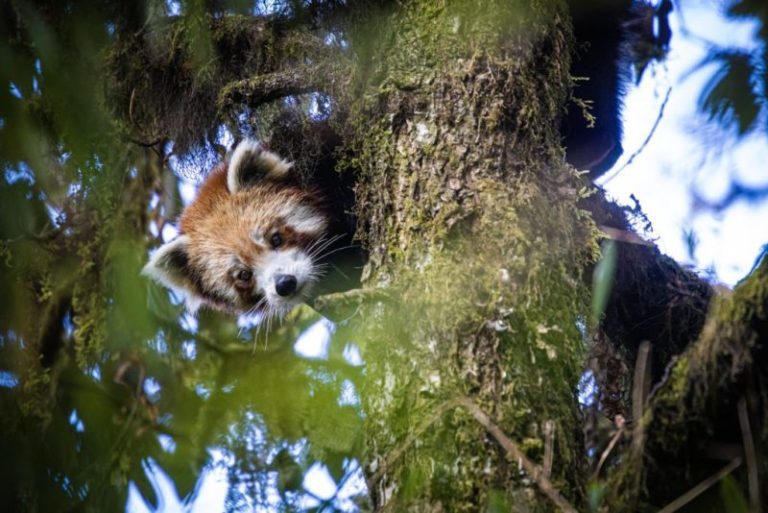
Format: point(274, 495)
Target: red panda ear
point(169, 266)
point(251, 163)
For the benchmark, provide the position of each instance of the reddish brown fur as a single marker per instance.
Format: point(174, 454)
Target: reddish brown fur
point(220, 227)
point(212, 192)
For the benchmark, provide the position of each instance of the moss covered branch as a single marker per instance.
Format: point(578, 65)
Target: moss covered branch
point(693, 414)
point(180, 81)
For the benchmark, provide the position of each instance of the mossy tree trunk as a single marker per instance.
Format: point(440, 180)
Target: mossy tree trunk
point(471, 219)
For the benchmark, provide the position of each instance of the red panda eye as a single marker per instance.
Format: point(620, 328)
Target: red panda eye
point(244, 275)
point(276, 240)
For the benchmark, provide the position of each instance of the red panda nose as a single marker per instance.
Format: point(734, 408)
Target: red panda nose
point(285, 284)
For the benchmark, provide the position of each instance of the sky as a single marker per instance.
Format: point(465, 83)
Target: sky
point(676, 162)
point(679, 159)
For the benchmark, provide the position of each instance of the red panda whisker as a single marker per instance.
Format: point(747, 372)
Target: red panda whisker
point(255, 308)
point(328, 241)
point(336, 250)
point(319, 241)
point(315, 244)
point(313, 252)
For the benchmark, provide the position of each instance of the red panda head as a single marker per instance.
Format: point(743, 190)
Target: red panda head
point(249, 242)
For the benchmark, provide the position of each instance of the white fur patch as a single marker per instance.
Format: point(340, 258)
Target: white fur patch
point(293, 262)
point(160, 269)
point(303, 219)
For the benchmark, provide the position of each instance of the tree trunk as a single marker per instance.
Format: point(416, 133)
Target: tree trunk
point(472, 221)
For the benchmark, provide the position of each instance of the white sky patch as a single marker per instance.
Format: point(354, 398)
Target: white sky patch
point(189, 349)
point(212, 485)
point(209, 496)
point(731, 244)
point(676, 161)
point(352, 355)
point(167, 498)
point(224, 137)
point(167, 442)
point(314, 341)
point(74, 420)
point(189, 322)
point(352, 487)
point(348, 395)
point(174, 7)
point(318, 481)
point(8, 379)
point(249, 321)
point(169, 232)
point(187, 191)
point(151, 386)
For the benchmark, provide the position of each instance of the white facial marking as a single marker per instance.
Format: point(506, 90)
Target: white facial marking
point(294, 262)
point(303, 218)
point(257, 236)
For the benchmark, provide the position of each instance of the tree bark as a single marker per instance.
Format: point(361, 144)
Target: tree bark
point(471, 219)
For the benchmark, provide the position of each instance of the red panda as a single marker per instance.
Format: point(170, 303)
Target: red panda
point(252, 240)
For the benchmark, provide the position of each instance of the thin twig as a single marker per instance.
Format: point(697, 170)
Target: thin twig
point(645, 142)
point(533, 470)
point(640, 387)
point(749, 456)
point(604, 456)
point(700, 488)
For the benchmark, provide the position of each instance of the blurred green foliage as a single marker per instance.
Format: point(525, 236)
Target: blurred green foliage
point(102, 375)
point(602, 279)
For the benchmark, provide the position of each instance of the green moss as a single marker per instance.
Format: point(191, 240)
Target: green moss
point(484, 260)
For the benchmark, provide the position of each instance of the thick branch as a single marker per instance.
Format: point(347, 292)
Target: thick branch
point(261, 89)
point(695, 406)
point(179, 82)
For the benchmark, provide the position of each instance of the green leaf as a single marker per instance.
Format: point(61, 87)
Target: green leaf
point(730, 97)
point(732, 496)
point(602, 279)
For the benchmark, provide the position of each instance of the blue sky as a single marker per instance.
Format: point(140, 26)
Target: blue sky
point(680, 157)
